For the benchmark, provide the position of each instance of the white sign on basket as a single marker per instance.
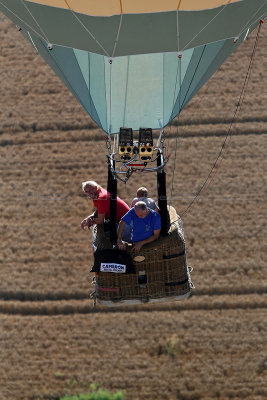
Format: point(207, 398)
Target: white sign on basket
point(112, 267)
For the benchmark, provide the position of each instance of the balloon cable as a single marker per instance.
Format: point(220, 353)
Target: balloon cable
point(24, 22)
point(36, 22)
point(222, 151)
point(180, 106)
point(179, 69)
point(86, 29)
point(177, 125)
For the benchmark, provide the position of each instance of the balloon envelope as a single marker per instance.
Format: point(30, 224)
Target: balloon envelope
point(121, 59)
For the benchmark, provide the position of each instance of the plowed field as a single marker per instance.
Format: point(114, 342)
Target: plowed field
point(52, 341)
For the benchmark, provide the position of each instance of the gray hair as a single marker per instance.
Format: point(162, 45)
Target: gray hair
point(141, 206)
point(91, 184)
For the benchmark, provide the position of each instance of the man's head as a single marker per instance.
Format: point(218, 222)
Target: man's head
point(91, 189)
point(142, 192)
point(141, 209)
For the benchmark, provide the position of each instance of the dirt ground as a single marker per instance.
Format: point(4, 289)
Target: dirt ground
point(52, 341)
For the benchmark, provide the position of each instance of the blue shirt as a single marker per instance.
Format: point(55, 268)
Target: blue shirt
point(143, 228)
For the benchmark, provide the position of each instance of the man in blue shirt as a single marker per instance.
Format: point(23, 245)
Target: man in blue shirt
point(146, 225)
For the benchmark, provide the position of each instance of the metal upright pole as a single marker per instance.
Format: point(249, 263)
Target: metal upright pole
point(112, 189)
point(162, 196)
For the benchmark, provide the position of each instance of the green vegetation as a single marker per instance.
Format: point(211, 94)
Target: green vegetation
point(98, 394)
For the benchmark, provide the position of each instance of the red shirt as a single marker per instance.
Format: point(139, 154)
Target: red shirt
point(103, 205)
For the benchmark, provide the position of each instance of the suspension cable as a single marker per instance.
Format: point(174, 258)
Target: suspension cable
point(34, 19)
point(178, 117)
point(222, 151)
point(24, 22)
point(179, 69)
point(86, 29)
point(174, 162)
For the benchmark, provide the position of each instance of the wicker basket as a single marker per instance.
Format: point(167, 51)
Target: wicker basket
point(161, 275)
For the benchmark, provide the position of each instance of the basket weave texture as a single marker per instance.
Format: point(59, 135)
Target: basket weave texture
point(162, 273)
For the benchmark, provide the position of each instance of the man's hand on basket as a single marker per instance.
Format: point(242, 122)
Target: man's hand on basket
point(121, 245)
point(137, 246)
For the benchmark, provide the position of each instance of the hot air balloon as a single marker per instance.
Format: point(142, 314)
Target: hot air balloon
point(134, 65)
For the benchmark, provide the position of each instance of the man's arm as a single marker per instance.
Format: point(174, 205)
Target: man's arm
point(120, 243)
point(120, 230)
point(90, 220)
point(138, 245)
point(99, 219)
point(156, 207)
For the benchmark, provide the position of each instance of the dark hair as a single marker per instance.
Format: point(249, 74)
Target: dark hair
point(142, 192)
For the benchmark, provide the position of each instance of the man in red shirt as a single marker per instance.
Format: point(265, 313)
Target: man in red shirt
point(101, 200)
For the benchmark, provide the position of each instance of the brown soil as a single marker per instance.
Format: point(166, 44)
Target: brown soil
point(211, 346)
